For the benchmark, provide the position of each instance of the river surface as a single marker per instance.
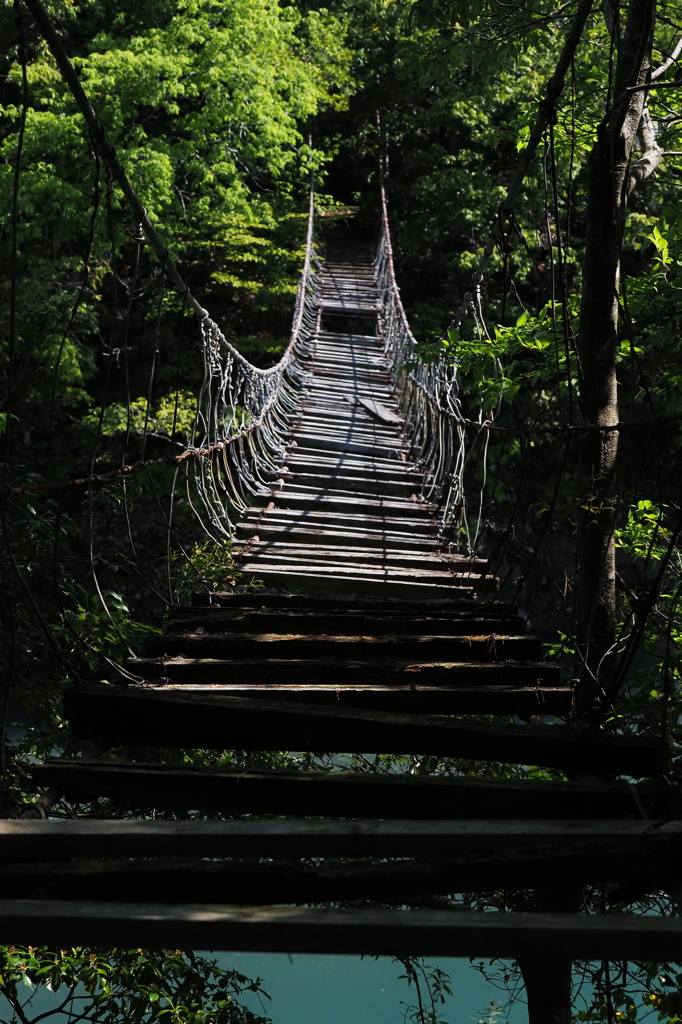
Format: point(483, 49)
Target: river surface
point(326, 989)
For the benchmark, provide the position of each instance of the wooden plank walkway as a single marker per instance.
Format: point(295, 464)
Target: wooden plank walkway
point(360, 634)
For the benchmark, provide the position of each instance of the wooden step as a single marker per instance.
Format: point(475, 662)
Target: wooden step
point(177, 880)
point(62, 838)
point(364, 307)
point(311, 581)
point(235, 620)
point(375, 484)
point(254, 566)
point(265, 552)
point(409, 512)
point(391, 470)
point(134, 716)
point(354, 521)
point(349, 419)
point(58, 923)
point(360, 556)
point(331, 442)
point(406, 699)
point(284, 488)
point(340, 671)
point(350, 794)
point(390, 461)
point(454, 604)
point(299, 530)
point(425, 647)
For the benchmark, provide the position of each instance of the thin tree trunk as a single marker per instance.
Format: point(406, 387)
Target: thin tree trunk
point(611, 179)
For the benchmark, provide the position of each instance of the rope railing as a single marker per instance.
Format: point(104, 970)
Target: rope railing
point(428, 396)
point(244, 417)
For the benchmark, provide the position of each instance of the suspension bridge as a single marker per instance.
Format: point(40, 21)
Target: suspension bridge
point(371, 626)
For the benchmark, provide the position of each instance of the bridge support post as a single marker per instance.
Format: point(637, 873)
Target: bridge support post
point(548, 978)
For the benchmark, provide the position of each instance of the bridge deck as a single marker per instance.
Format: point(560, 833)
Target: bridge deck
point(360, 635)
point(346, 514)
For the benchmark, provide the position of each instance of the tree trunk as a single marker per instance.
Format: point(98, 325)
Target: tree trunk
point(611, 180)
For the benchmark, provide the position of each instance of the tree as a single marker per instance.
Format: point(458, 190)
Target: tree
point(124, 986)
point(613, 175)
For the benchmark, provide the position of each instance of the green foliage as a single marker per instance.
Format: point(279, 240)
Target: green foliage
point(209, 566)
point(207, 108)
point(125, 986)
point(173, 416)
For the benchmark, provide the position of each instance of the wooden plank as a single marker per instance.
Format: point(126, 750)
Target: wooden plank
point(338, 444)
point(301, 531)
point(338, 671)
point(372, 574)
point(357, 478)
point(182, 880)
point(378, 527)
point(301, 930)
point(268, 552)
point(408, 510)
point(286, 491)
point(382, 412)
point(455, 604)
point(61, 838)
point(351, 424)
point(324, 480)
point(147, 717)
point(434, 700)
point(392, 458)
point(354, 521)
point(426, 647)
point(300, 459)
point(422, 567)
point(392, 557)
point(350, 794)
point(310, 582)
point(225, 620)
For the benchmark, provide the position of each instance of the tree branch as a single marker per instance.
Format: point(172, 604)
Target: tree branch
point(57, 1009)
point(667, 62)
point(15, 1004)
point(650, 158)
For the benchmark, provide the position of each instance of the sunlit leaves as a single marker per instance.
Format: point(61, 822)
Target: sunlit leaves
point(128, 986)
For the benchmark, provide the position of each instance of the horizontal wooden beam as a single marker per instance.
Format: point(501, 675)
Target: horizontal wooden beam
point(60, 838)
point(455, 605)
point(308, 581)
point(148, 717)
point(349, 794)
point(275, 881)
point(439, 700)
point(295, 930)
point(488, 647)
point(227, 620)
point(338, 671)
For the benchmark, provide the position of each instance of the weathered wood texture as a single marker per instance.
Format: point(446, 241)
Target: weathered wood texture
point(340, 670)
point(350, 794)
point(488, 647)
point(60, 838)
point(411, 699)
point(226, 620)
point(279, 881)
point(294, 930)
point(151, 717)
